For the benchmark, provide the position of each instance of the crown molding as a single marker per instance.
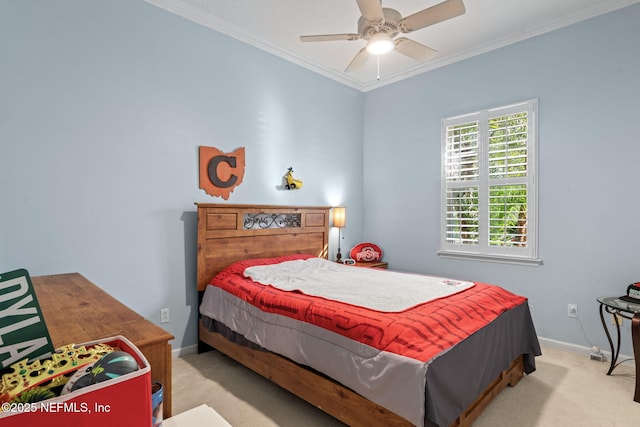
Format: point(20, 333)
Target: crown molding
point(180, 8)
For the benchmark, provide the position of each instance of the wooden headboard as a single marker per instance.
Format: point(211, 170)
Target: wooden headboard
point(230, 233)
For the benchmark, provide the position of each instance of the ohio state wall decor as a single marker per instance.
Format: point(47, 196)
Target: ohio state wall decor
point(366, 252)
point(220, 173)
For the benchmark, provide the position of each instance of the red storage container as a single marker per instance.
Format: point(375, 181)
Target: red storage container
point(122, 401)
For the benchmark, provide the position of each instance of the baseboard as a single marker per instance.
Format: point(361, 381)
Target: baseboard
point(561, 345)
point(580, 349)
point(183, 351)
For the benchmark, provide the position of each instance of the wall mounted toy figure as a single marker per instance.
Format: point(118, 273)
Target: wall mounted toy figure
point(292, 183)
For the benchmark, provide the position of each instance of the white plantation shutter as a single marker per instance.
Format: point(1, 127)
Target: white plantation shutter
point(462, 215)
point(508, 140)
point(489, 194)
point(462, 152)
point(462, 167)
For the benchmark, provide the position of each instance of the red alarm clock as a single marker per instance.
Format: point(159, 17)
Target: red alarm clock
point(366, 252)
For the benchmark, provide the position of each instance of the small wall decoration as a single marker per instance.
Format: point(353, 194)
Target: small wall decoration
point(221, 173)
point(290, 182)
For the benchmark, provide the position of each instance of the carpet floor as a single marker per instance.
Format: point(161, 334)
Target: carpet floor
point(567, 390)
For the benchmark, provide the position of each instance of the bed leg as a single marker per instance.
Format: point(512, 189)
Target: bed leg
point(203, 347)
point(516, 371)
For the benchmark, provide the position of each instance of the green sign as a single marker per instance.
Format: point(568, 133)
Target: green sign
point(23, 333)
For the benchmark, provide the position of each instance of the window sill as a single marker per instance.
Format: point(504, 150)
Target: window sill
point(533, 262)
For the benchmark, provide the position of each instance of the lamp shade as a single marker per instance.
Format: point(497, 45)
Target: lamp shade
point(339, 216)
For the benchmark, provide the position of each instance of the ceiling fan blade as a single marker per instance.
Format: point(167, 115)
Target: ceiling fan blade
point(413, 49)
point(358, 61)
point(330, 37)
point(432, 15)
point(371, 11)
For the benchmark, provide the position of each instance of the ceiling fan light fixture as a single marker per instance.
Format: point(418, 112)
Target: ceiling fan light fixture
point(380, 43)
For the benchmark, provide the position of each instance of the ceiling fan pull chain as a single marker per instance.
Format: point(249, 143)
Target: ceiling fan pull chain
point(378, 57)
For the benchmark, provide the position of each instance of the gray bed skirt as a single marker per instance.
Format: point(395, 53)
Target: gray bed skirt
point(456, 377)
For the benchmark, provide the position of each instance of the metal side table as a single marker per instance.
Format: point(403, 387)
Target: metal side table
point(627, 310)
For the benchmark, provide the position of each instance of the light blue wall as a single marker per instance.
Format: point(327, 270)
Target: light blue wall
point(103, 105)
point(586, 79)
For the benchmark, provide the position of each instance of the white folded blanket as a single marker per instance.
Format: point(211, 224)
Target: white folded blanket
point(376, 289)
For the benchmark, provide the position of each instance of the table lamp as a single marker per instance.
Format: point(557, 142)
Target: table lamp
point(339, 221)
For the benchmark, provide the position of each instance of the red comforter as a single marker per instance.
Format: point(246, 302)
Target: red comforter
point(421, 332)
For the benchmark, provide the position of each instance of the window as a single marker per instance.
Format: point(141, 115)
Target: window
point(489, 195)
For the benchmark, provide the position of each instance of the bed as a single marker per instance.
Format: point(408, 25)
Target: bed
point(361, 374)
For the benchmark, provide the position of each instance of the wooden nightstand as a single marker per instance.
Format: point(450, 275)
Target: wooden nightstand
point(77, 311)
point(376, 264)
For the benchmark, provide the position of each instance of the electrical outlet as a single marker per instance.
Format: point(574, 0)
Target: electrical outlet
point(572, 310)
point(615, 319)
point(164, 315)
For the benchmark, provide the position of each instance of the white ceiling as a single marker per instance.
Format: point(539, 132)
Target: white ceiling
point(275, 26)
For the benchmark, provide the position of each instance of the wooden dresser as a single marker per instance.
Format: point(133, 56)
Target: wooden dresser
point(77, 311)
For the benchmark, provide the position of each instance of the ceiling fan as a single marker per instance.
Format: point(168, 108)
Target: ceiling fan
point(380, 25)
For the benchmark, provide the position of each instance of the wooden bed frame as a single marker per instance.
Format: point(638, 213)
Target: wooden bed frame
point(229, 233)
